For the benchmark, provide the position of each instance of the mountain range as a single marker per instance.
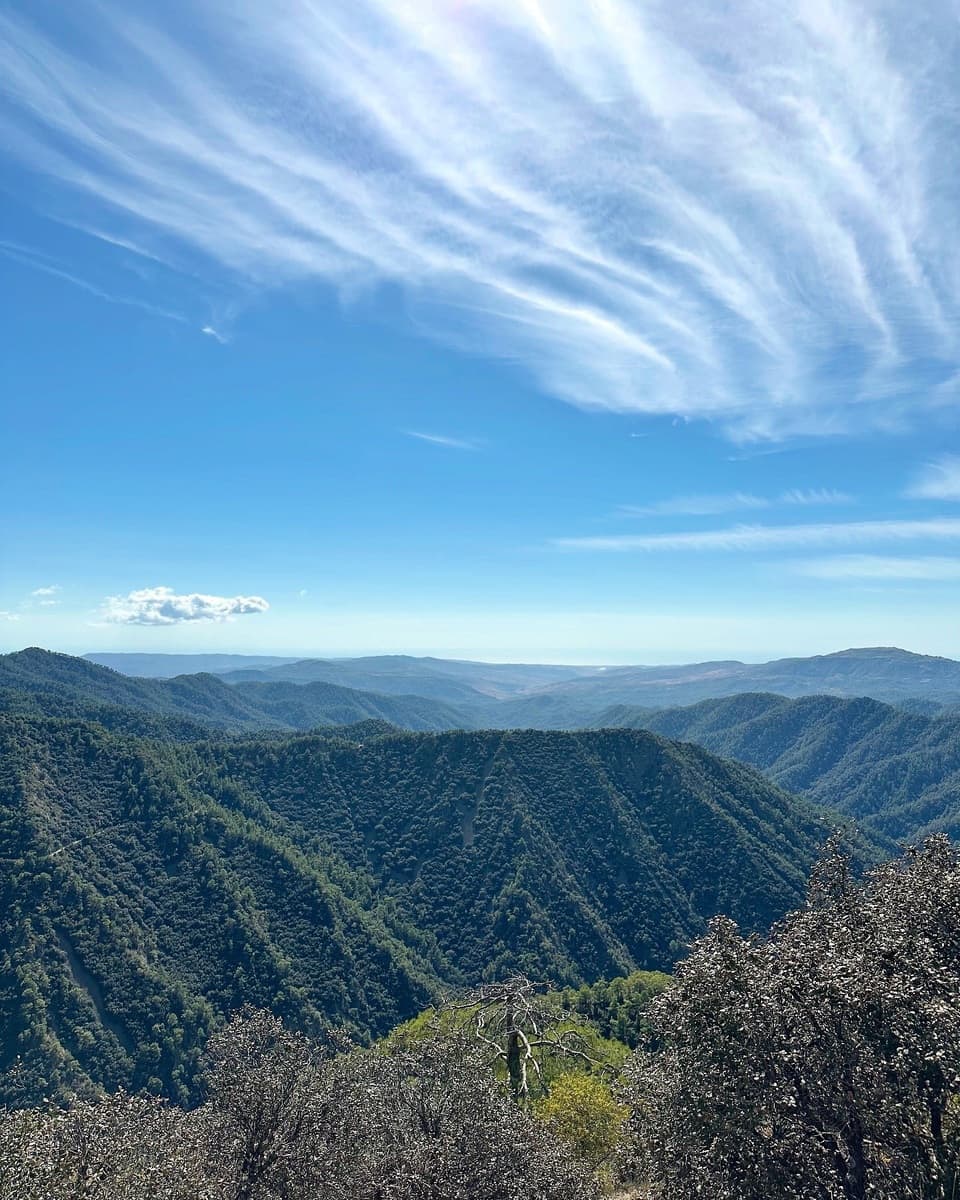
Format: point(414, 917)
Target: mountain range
point(512, 695)
point(893, 768)
point(149, 886)
point(172, 848)
point(897, 772)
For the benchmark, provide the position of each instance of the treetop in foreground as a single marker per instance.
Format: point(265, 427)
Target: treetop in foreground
point(822, 1062)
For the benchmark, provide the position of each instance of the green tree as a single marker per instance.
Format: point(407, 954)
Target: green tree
point(582, 1112)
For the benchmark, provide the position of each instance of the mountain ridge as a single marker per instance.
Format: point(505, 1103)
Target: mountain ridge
point(516, 695)
point(896, 770)
point(149, 887)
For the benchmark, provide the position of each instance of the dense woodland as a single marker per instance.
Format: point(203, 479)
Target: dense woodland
point(152, 887)
point(374, 902)
point(820, 1060)
point(894, 768)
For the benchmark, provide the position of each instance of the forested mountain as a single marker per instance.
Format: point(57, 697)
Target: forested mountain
point(884, 673)
point(148, 888)
point(894, 767)
point(897, 771)
point(499, 695)
point(76, 687)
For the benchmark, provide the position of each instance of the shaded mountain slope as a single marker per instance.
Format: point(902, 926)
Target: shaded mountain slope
point(142, 899)
point(149, 888)
point(569, 855)
point(898, 771)
point(75, 687)
point(884, 673)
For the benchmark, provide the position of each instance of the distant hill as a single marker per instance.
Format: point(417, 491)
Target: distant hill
point(898, 771)
point(77, 687)
point(883, 673)
point(462, 683)
point(165, 666)
point(504, 695)
point(392, 674)
point(149, 887)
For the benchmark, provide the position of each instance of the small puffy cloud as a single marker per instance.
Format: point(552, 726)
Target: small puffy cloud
point(46, 591)
point(8, 616)
point(163, 606)
point(939, 480)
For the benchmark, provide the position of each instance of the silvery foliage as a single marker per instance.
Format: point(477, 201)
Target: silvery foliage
point(822, 1062)
point(432, 1123)
point(116, 1148)
point(284, 1122)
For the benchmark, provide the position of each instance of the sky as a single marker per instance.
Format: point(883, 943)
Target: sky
point(581, 331)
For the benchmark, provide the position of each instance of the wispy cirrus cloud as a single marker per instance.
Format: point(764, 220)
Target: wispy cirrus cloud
point(30, 257)
point(716, 505)
point(877, 567)
point(743, 214)
point(163, 606)
point(771, 537)
point(939, 480)
point(441, 439)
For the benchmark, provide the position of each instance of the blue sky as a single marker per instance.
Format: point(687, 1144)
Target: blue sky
point(578, 331)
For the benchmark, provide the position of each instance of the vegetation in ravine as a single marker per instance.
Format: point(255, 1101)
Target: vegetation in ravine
point(895, 771)
point(821, 1060)
point(148, 888)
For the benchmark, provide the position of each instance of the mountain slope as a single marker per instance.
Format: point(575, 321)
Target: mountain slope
point(570, 855)
point(898, 771)
point(884, 673)
point(149, 888)
point(165, 666)
point(440, 679)
point(76, 687)
point(141, 901)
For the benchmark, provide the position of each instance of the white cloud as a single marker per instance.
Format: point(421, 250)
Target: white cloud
point(29, 257)
point(9, 616)
point(695, 506)
point(870, 566)
point(440, 439)
point(215, 334)
point(812, 497)
point(939, 480)
point(46, 591)
point(742, 213)
point(713, 505)
point(772, 537)
point(162, 606)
